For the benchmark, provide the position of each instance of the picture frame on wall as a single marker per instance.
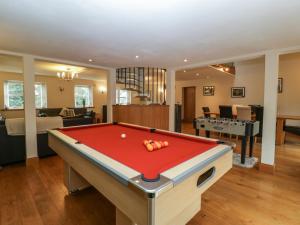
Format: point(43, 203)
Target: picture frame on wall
point(280, 85)
point(208, 90)
point(238, 92)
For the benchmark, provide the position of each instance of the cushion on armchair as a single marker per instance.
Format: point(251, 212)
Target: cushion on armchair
point(80, 111)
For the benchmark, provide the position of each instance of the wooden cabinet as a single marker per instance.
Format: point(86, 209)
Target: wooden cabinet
point(156, 116)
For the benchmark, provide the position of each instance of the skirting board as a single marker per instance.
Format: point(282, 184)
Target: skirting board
point(32, 161)
point(267, 168)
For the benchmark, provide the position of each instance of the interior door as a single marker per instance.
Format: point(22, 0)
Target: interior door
point(189, 99)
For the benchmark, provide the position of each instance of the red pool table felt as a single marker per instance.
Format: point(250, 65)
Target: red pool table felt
point(131, 150)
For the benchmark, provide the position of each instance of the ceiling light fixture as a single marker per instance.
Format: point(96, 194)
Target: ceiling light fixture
point(184, 71)
point(90, 60)
point(137, 57)
point(185, 60)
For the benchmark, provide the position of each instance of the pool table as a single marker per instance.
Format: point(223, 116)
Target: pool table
point(161, 187)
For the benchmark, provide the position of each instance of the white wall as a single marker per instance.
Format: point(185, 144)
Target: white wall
point(289, 99)
point(221, 92)
point(250, 74)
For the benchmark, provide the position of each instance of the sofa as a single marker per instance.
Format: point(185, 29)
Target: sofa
point(13, 148)
point(82, 117)
point(292, 129)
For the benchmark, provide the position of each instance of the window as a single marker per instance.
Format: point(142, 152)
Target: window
point(83, 96)
point(123, 97)
point(40, 95)
point(14, 95)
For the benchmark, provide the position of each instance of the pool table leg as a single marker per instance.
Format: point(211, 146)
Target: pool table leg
point(122, 219)
point(74, 181)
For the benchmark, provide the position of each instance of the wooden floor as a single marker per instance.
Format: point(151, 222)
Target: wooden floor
point(35, 195)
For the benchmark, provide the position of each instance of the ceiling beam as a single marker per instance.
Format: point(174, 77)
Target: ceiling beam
point(56, 60)
point(220, 61)
point(280, 51)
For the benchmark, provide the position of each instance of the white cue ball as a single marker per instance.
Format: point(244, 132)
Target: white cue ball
point(123, 136)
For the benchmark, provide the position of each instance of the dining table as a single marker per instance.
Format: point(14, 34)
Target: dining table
point(280, 123)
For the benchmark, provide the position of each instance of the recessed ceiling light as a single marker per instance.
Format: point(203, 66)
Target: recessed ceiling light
point(185, 60)
point(137, 57)
point(90, 60)
point(184, 71)
point(197, 74)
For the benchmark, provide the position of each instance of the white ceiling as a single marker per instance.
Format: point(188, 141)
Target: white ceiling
point(14, 65)
point(161, 32)
point(51, 69)
point(201, 73)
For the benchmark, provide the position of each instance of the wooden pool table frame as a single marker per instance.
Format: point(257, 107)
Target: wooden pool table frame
point(173, 203)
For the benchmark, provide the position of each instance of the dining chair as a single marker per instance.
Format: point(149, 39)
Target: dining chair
point(243, 112)
point(259, 112)
point(234, 110)
point(206, 111)
point(226, 111)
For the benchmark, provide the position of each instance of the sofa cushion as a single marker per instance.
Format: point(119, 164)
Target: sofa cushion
point(56, 111)
point(66, 112)
point(80, 111)
point(50, 112)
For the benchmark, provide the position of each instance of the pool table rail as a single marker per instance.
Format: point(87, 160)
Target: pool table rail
point(186, 169)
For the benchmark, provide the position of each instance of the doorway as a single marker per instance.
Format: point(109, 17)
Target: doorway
point(189, 99)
